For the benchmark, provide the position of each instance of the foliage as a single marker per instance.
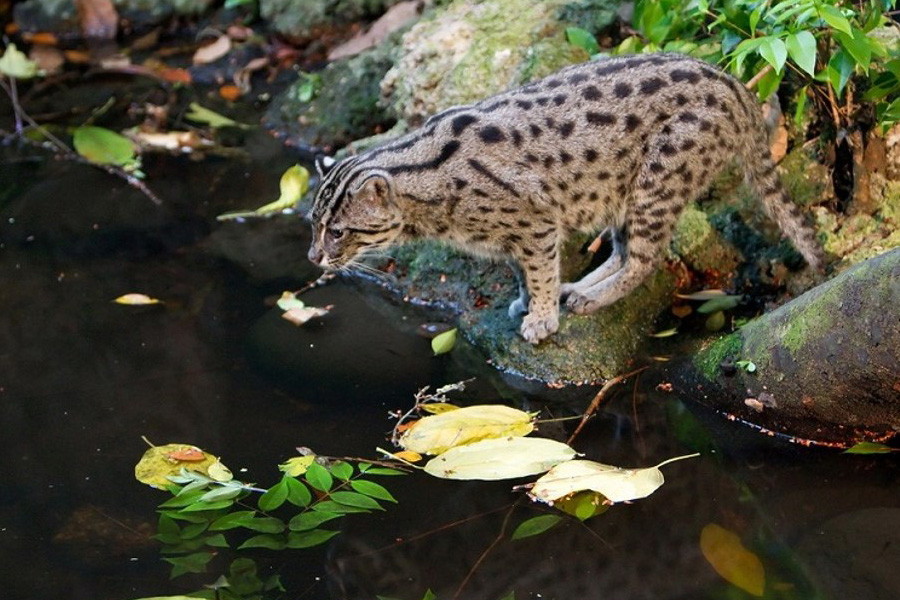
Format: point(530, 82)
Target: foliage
point(204, 513)
point(825, 47)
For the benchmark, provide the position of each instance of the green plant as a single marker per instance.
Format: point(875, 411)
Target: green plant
point(825, 47)
point(290, 514)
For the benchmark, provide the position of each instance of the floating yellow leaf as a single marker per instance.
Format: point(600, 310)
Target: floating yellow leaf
point(135, 300)
point(299, 316)
point(437, 408)
point(443, 342)
point(702, 295)
point(737, 565)
point(617, 484)
point(294, 183)
point(408, 456)
point(219, 472)
point(503, 458)
point(436, 433)
point(298, 465)
point(159, 462)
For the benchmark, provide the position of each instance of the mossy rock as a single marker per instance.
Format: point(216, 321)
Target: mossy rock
point(346, 106)
point(469, 50)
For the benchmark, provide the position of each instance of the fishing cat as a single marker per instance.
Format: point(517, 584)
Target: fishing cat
point(623, 143)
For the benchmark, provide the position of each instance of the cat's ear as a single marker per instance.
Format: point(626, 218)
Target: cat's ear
point(324, 164)
point(374, 190)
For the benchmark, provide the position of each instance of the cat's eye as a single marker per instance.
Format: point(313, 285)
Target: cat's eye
point(336, 233)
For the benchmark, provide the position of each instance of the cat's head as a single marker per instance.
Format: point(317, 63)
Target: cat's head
point(354, 211)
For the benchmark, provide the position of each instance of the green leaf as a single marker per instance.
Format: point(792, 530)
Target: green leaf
point(15, 64)
point(102, 146)
point(858, 46)
point(444, 342)
point(384, 471)
point(274, 497)
point(840, 68)
point(801, 47)
point(715, 321)
point(199, 114)
point(232, 520)
point(198, 506)
point(370, 488)
point(535, 526)
point(719, 303)
point(773, 52)
point(298, 494)
point(429, 595)
point(834, 17)
point(218, 541)
point(192, 563)
point(802, 96)
point(869, 448)
point(354, 499)
point(265, 525)
point(167, 526)
point(342, 470)
point(221, 493)
point(330, 506)
point(266, 540)
point(583, 39)
point(318, 477)
point(310, 520)
point(193, 530)
point(307, 539)
point(754, 18)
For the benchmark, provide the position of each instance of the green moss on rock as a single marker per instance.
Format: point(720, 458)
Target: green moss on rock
point(303, 19)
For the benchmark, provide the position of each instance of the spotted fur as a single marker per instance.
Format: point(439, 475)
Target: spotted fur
point(624, 143)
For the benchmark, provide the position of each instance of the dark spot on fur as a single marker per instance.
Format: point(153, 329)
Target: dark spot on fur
point(591, 93)
point(632, 122)
point(652, 85)
point(622, 90)
point(598, 118)
point(491, 134)
point(460, 123)
point(679, 75)
point(590, 155)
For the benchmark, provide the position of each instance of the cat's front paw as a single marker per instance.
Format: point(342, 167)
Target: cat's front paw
point(580, 304)
point(538, 327)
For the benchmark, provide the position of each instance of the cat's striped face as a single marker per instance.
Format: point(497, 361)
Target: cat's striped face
point(354, 211)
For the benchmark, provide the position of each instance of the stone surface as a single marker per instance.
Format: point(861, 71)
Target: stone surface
point(304, 20)
point(60, 16)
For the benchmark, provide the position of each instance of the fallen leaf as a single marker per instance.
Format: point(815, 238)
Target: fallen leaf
point(702, 295)
point(583, 505)
point(437, 408)
point(503, 458)
point(289, 300)
point(171, 141)
point(230, 92)
point(188, 454)
point(682, 311)
point(136, 300)
point(219, 472)
point(437, 433)
point(78, 57)
point(104, 146)
point(396, 17)
point(723, 302)
point(715, 321)
point(200, 114)
point(615, 483)
point(212, 52)
point(299, 316)
point(869, 448)
point(49, 59)
point(294, 183)
point(15, 64)
point(41, 37)
point(724, 551)
point(443, 342)
point(297, 465)
point(665, 333)
point(98, 18)
point(408, 456)
point(174, 75)
point(156, 465)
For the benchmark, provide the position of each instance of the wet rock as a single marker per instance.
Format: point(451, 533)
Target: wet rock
point(346, 106)
point(828, 360)
point(307, 20)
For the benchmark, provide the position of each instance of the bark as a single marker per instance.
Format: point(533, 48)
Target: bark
point(827, 363)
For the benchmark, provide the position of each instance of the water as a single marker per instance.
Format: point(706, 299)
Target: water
point(82, 379)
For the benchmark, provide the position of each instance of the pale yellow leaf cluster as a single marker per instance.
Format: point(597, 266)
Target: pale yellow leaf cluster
point(615, 483)
point(297, 465)
point(499, 458)
point(438, 433)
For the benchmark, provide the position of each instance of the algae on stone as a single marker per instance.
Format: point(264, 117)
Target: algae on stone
point(304, 19)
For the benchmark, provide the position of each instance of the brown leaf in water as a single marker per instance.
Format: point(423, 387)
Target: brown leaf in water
point(98, 18)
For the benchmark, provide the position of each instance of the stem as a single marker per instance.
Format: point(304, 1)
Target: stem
point(484, 554)
point(595, 403)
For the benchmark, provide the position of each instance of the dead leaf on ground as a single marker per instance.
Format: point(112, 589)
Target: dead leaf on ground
point(212, 52)
point(172, 141)
point(299, 316)
point(396, 17)
point(98, 18)
point(49, 59)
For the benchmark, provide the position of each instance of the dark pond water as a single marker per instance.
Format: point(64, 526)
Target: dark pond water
point(82, 379)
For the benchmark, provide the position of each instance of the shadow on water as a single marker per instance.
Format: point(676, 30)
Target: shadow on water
point(82, 379)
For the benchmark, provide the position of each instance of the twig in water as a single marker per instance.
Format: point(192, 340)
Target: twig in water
point(487, 551)
point(595, 403)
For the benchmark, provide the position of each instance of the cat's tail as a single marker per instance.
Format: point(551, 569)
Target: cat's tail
point(763, 178)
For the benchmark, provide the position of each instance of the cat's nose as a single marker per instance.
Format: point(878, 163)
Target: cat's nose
point(315, 255)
